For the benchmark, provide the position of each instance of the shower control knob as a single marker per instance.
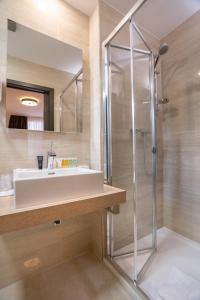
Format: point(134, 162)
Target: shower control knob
point(154, 150)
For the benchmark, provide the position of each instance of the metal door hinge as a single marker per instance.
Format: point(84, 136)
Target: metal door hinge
point(115, 210)
point(154, 150)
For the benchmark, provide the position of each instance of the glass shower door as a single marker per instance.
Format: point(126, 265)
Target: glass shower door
point(144, 145)
point(131, 149)
point(120, 143)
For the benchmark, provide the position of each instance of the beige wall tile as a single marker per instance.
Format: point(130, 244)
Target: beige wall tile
point(181, 125)
point(96, 91)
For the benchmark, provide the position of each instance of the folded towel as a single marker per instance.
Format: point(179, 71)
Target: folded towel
point(180, 286)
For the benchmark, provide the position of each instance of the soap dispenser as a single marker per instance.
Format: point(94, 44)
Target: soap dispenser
point(50, 157)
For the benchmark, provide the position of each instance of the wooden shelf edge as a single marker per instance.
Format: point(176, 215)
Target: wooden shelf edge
point(17, 219)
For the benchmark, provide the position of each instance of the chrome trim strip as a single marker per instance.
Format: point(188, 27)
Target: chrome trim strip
point(72, 81)
point(141, 51)
point(145, 267)
point(120, 47)
point(126, 19)
point(134, 151)
point(127, 254)
point(128, 279)
point(141, 36)
point(154, 149)
point(107, 95)
point(108, 139)
point(129, 49)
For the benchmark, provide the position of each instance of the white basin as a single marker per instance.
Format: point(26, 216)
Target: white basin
point(35, 187)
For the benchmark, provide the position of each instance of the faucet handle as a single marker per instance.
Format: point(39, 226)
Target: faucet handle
point(51, 152)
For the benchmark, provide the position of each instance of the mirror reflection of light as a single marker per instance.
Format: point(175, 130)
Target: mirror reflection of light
point(29, 101)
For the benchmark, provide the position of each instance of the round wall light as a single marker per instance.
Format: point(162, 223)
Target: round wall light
point(29, 101)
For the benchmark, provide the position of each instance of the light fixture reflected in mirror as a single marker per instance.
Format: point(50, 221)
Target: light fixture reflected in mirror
point(29, 101)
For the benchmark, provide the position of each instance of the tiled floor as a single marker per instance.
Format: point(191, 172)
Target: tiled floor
point(83, 278)
point(174, 250)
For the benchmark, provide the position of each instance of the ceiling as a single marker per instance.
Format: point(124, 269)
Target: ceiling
point(85, 6)
point(160, 17)
point(41, 49)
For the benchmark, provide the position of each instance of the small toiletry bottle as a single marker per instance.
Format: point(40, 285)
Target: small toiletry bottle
point(64, 163)
point(74, 162)
point(40, 162)
point(67, 163)
point(56, 165)
point(51, 162)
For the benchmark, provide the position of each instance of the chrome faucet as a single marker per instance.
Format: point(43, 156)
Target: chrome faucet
point(50, 157)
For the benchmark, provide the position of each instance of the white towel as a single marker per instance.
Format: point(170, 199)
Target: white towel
point(180, 286)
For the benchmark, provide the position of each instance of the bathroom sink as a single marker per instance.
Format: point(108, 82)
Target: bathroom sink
point(37, 187)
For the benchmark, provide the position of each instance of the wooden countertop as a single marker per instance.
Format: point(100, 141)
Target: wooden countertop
point(12, 219)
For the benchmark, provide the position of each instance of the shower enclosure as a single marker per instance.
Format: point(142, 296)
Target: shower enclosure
point(130, 143)
point(152, 107)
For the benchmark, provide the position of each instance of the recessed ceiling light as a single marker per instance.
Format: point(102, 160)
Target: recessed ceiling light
point(29, 101)
point(199, 73)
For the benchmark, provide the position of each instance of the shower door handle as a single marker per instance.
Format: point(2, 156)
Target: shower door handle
point(154, 150)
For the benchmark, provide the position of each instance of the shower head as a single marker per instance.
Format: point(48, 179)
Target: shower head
point(162, 50)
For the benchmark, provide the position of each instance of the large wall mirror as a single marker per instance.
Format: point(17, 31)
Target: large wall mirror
point(44, 82)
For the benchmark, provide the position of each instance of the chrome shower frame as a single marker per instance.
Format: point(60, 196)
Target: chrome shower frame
point(75, 80)
point(106, 48)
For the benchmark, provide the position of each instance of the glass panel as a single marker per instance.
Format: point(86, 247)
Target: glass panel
point(122, 143)
point(132, 151)
point(143, 158)
point(144, 177)
point(71, 109)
